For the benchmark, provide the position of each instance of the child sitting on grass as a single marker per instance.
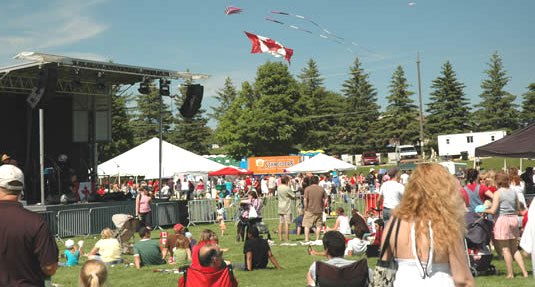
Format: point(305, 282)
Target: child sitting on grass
point(93, 274)
point(182, 252)
point(73, 252)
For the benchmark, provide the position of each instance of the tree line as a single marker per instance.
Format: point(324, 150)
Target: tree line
point(279, 114)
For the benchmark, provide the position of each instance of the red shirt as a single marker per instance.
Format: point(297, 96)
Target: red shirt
point(248, 181)
point(353, 182)
point(472, 187)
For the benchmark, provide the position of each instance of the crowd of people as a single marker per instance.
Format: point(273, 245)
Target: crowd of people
point(426, 208)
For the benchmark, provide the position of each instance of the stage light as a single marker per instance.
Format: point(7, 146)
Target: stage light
point(144, 87)
point(76, 80)
point(101, 83)
point(164, 87)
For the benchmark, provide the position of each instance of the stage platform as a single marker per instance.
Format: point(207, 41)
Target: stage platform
point(74, 219)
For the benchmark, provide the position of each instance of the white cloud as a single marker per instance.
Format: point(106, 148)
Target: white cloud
point(60, 24)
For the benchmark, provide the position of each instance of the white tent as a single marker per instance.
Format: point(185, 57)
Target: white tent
point(320, 163)
point(143, 161)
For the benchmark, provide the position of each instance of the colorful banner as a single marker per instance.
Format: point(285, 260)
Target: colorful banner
point(272, 164)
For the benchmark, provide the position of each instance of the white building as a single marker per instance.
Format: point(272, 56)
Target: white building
point(454, 144)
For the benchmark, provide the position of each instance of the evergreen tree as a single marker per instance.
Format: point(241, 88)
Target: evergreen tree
point(265, 120)
point(357, 134)
point(400, 121)
point(322, 105)
point(146, 120)
point(310, 78)
point(191, 134)
point(449, 110)
point(324, 121)
point(527, 115)
point(233, 128)
point(279, 113)
point(122, 136)
point(224, 96)
point(497, 108)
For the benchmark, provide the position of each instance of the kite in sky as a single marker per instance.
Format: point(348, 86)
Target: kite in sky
point(308, 20)
point(412, 3)
point(301, 29)
point(265, 45)
point(233, 10)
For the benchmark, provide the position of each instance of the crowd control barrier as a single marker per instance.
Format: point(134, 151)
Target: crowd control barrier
point(205, 210)
point(73, 222)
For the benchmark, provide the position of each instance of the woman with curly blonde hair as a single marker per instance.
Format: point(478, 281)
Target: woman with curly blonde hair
point(430, 249)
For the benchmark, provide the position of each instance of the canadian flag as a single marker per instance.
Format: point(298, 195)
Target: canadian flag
point(265, 45)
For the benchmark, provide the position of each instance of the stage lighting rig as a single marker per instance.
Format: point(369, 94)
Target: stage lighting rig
point(164, 87)
point(101, 83)
point(76, 79)
point(144, 87)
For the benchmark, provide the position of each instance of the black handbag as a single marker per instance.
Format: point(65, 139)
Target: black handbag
point(385, 270)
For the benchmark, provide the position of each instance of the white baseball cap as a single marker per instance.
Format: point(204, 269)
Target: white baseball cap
point(11, 177)
point(69, 244)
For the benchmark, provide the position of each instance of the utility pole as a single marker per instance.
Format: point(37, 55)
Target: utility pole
point(421, 110)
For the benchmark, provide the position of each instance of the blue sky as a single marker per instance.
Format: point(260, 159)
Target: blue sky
point(197, 35)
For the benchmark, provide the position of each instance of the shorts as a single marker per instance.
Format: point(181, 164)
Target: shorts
point(310, 219)
point(506, 227)
point(285, 218)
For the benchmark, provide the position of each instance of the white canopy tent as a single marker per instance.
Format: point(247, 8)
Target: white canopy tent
point(143, 161)
point(320, 163)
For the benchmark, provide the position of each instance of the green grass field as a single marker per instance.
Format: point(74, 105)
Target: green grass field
point(293, 260)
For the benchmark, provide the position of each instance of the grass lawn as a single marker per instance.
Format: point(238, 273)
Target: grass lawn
point(293, 260)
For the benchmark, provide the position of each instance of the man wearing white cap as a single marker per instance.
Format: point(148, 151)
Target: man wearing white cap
point(28, 251)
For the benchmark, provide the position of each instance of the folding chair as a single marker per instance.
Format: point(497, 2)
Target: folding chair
point(352, 275)
point(221, 278)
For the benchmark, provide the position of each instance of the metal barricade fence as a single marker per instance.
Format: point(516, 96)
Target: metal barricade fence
point(73, 222)
point(50, 218)
point(201, 211)
point(100, 217)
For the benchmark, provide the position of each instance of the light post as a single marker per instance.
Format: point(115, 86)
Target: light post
point(421, 110)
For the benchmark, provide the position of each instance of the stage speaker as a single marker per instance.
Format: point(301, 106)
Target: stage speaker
point(193, 101)
point(46, 88)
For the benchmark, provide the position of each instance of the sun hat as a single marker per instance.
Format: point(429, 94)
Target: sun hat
point(11, 177)
point(188, 234)
point(69, 244)
point(372, 169)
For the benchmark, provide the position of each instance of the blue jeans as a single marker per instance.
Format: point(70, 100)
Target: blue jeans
point(387, 213)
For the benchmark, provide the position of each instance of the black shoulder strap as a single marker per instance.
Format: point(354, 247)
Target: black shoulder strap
point(398, 221)
point(387, 239)
point(185, 276)
point(231, 274)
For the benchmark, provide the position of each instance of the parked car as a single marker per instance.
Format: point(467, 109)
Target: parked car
point(369, 158)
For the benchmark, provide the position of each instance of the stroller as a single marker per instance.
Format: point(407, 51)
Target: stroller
point(126, 228)
point(477, 242)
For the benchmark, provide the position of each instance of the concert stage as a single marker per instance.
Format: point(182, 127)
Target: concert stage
point(89, 218)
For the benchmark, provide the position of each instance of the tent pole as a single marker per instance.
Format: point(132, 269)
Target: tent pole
point(520, 169)
point(505, 164)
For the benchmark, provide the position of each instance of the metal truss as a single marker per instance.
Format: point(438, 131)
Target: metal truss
point(19, 84)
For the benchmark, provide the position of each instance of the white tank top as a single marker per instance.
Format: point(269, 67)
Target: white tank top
point(344, 227)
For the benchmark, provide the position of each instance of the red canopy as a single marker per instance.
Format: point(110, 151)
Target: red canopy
point(231, 170)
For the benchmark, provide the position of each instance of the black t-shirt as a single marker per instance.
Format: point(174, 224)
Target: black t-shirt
point(259, 247)
point(26, 244)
